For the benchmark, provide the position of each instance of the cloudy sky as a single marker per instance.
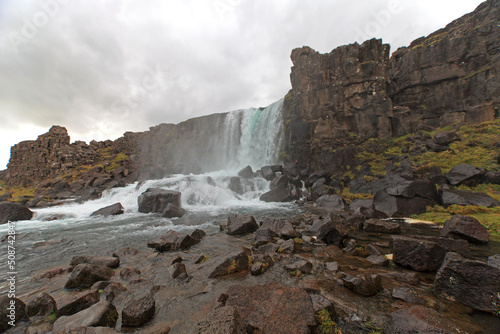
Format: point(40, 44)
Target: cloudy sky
point(101, 68)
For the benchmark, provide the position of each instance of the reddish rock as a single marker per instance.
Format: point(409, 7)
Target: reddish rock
point(465, 227)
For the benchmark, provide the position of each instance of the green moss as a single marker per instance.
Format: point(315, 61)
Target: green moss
point(298, 241)
point(473, 74)
point(326, 323)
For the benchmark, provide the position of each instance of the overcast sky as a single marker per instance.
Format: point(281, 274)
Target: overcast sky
point(101, 68)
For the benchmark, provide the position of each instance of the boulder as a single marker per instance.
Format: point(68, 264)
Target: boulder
point(465, 174)
point(420, 255)
point(138, 311)
point(111, 210)
point(235, 185)
point(112, 291)
point(108, 261)
point(101, 314)
point(246, 172)
point(263, 236)
point(378, 260)
point(278, 181)
point(173, 211)
point(84, 275)
point(281, 227)
point(331, 202)
point(272, 308)
point(127, 273)
point(228, 264)
point(408, 295)
point(465, 227)
point(177, 269)
point(472, 283)
point(42, 306)
point(302, 265)
point(156, 200)
point(11, 212)
point(446, 138)
point(397, 206)
point(286, 246)
point(172, 241)
point(461, 197)
point(316, 225)
point(359, 204)
point(72, 304)
point(418, 319)
point(198, 234)
point(7, 314)
point(380, 226)
point(241, 224)
point(268, 173)
point(332, 235)
point(494, 261)
point(221, 320)
point(278, 194)
point(363, 284)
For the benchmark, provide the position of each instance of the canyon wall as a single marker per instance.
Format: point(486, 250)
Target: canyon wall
point(358, 92)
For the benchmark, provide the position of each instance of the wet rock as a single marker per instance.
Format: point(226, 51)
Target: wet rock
point(198, 234)
point(11, 309)
point(173, 211)
point(101, 314)
point(359, 204)
point(272, 308)
point(246, 172)
point(397, 206)
point(263, 236)
point(278, 194)
point(286, 246)
point(260, 266)
point(494, 261)
point(410, 278)
point(267, 250)
point(373, 250)
point(378, 260)
point(449, 245)
point(84, 275)
point(235, 185)
point(156, 200)
point(177, 269)
point(436, 176)
point(278, 181)
point(11, 211)
point(331, 235)
point(465, 227)
point(380, 226)
point(125, 251)
point(316, 226)
point(418, 319)
point(473, 283)
point(72, 304)
point(221, 320)
point(420, 255)
point(282, 228)
point(408, 295)
point(111, 210)
point(303, 266)
point(42, 306)
point(172, 241)
point(162, 327)
point(108, 261)
point(331, 202)
point(461, 197)
point(364, 284)
point(268, 173)
point(465, 174)
point(241, 224)
point(127, 273)
point(228, 264)
point(138, 311)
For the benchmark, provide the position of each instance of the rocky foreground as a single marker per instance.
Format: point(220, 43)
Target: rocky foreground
point(324, 271)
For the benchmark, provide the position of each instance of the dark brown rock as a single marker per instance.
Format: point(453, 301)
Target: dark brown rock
point(246, 172)
point(127, 273)
point(156, 200)
point(11, 309)
point(408, 295)
point(263, 236)
point(111, 210)
point(364, 284)
point(461, 197)
point(42, 306)
point(465, 227)
point(139, 311)
point(380, 226)
point(331, 202)
point(11, 212)
point(280, 227)
point(473, 283)
point(418, 319)
point(173, 211)
point(172, 241)
point(84, 275)
point(241, 224)
point(272, 308)
point(228, 264)
point(74, 303)
point(465, 174)
point(101, 314)
point(278, 194)
point(332, 235)
point(420, 255)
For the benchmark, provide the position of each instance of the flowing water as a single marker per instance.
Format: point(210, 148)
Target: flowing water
point(55, 234)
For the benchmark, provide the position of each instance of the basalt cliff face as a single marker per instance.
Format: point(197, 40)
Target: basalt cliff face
point(358, 92)
point(338, 101)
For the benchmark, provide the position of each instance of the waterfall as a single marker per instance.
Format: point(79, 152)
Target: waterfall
point(260, 132)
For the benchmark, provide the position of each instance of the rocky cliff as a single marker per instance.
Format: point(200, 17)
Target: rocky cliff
point(358, 92)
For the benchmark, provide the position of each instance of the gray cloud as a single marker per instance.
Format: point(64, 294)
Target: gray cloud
point(101, 68)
